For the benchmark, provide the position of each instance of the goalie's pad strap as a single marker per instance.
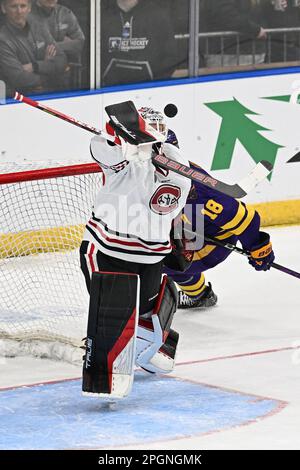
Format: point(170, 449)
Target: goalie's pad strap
point(110, 343)
point(180, 259)
point(166, 304)
point(153, 333)
point(163, 360)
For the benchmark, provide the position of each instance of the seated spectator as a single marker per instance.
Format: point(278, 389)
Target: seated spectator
point(137, 42)
point(63, 26)
point(283, 14)
point(243, 16)
point(30, 61)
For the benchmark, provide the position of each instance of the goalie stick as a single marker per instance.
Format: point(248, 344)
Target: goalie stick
point(238, 190)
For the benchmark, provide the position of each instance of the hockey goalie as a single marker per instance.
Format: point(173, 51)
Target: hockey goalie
point(125, 242)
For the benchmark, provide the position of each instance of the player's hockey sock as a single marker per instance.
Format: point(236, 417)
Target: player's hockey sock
point(194, 286)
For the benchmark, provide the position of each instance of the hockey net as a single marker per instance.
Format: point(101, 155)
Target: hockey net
point(43, 297)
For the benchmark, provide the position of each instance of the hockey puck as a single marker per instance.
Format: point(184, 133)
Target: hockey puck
point(171, 110)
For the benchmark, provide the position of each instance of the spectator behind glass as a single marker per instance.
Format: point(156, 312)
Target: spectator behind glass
point(283, 14)
point(178, 11)
point(137, 42)
point(82, 11)
point(63, 26)
point(243, 16)
point(29, 58)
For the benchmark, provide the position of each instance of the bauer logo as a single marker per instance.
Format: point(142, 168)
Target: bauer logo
point(165, 199)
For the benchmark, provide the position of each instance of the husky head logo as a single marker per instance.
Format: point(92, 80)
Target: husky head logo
point(165, 199)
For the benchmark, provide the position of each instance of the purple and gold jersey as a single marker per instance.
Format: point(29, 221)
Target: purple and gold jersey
point(225, 218)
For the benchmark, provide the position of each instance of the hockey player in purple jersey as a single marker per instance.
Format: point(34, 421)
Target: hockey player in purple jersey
point(225, 219)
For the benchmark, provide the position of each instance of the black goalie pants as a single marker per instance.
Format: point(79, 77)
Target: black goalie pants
point(150, 274)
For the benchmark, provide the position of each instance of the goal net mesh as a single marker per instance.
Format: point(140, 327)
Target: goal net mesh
point(43, 301)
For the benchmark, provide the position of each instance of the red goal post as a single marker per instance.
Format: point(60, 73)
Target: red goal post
point(47, 173)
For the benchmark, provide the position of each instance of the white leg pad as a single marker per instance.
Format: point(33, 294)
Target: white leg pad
point(151, 355)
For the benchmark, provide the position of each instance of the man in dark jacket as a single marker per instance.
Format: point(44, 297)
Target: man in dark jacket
point(242, 16)
point(137, 42)
point(63, 26)
point(30, 61)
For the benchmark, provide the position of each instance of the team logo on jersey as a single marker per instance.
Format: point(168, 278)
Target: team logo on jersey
point(165, 199)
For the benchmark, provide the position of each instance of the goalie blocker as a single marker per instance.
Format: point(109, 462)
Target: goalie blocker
point(117, 339)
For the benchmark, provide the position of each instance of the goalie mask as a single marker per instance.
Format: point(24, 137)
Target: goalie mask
point(155, 124)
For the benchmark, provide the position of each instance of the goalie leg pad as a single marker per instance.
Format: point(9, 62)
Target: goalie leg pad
point(111, 334)
point(153, 332)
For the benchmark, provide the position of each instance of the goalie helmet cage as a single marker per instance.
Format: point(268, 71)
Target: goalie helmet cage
point(43, 297)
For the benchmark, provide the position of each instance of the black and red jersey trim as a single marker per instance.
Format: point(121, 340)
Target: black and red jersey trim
point(127, 235)
point(119, 249)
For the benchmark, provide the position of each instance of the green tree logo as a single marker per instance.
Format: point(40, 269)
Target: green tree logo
point(236, 126)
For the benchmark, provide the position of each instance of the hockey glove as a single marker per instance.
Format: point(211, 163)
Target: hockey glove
point(179, 259)
point(262, 254)
point(172, 139)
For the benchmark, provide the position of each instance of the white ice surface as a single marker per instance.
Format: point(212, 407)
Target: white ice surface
point(257, 312)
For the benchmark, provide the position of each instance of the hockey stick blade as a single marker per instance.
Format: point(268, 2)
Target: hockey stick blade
point(237, 191)
point(258, 174)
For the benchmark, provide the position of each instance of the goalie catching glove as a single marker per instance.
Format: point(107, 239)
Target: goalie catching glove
point(261, 254)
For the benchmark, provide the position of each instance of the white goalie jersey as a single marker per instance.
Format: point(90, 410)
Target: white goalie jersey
point(134, 208)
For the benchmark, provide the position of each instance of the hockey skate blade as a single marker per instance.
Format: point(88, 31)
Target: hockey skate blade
point(257, 175)
point(121, 387)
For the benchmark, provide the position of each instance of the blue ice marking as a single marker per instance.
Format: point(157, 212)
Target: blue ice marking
point(56, 416)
